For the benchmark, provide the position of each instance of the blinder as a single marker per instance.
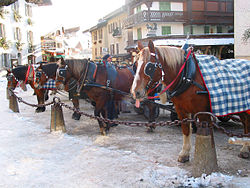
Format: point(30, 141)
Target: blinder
point(62, 72)
point(10, 77)
point(150, 68)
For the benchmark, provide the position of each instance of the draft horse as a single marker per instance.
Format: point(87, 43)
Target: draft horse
point(102, 84)
point(167, 64)
point(24, 74)
point(46, 73)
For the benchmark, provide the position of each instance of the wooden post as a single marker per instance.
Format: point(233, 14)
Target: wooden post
point(245, 142)
point(205, 160)
point(13, 105)
point(7, 93)
point(57, 119)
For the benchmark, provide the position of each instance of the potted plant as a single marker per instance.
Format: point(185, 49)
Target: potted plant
point(31, 47)
point(30, 22)
point(3, 12)
point(4, 43)
point(17, 16)
point(19, 45)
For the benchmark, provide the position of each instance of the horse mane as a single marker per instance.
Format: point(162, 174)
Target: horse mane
point(76, 64)
point(171, 55)
point(50, 69)
point(20, 72)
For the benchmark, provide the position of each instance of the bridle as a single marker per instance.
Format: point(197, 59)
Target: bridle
point(62, 73)
point(150, 69)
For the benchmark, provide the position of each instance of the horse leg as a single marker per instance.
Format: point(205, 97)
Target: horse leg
point(46, 95)
point(40, 99)
point(76, 115)
point(186, 147)
point(245, 150)
point(101, 123)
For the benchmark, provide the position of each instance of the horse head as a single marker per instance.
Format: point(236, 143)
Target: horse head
point(62, 75)
point(148, 71)
point(11, 79)
point(43, 73)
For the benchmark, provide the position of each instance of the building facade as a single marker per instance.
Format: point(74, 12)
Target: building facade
point(242, 25)
point(19, 43)
point(177, 19)
point(109, 36)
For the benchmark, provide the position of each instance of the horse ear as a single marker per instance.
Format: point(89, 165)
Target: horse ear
point(151, 46)
point(140, 45)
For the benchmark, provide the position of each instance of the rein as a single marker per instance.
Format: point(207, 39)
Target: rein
point(168, 86)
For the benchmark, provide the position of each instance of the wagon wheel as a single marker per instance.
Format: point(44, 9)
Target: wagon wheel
point(224, 118)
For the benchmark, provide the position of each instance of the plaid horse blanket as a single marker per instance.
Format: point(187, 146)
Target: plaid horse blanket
point(227, 82)
point(50, 85)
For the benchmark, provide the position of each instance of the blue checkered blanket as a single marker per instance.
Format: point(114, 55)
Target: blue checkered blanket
point(228, 84)
point(50, 85)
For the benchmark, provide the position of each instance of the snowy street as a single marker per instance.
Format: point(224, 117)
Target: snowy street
point(32, 157)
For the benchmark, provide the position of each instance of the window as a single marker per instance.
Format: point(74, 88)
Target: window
point(188, 29)
point(17, 33)
point(112, 49)
point(30, 37)
point(206, 29)
point(117, 48)
point(100, 34)
point(28, 10)
point(166, 30)
point(95, 52)
point(6, 60)
point(100, 50)
point(138, 9)
point(95, 35)
point(139, 34)
point(165, 6)
point(219, 29)
point(2, 30)
point(16, 6)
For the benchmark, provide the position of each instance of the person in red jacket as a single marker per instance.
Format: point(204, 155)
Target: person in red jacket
point(107, 59)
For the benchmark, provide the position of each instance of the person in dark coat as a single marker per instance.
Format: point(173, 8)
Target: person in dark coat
point(110, 105)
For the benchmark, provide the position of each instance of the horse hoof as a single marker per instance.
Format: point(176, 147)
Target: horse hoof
point(40, 109)
point(150, 129)
point(76, 116)
point(183, 159)
point(244, 155)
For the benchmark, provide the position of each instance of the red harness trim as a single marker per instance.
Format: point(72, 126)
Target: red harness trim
point(28, 72)
point(94, 75)
point(168, 86)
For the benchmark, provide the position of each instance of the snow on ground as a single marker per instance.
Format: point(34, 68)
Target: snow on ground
point(31, 156)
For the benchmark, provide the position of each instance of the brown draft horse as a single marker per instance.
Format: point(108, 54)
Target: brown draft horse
point(25, 74)
point(99, 83)
point(188, 102)
point(48, 71)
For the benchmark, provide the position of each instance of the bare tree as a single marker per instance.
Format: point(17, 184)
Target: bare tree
point(246, 35)
point(7, 2)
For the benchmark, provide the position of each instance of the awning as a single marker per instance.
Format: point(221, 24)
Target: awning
point(196, 42)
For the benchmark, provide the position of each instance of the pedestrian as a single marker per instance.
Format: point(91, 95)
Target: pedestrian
point(110, 105)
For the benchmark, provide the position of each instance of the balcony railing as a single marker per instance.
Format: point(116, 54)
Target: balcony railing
point(199, 17)
point(154, 16)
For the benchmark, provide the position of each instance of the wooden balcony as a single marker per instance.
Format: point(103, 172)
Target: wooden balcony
point(195, 17)
point(154, 16)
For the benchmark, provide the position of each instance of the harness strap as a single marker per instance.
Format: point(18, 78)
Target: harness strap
point(168, 86)
point(28, 72)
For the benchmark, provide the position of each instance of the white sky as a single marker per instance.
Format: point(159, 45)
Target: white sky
point(72, 13)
